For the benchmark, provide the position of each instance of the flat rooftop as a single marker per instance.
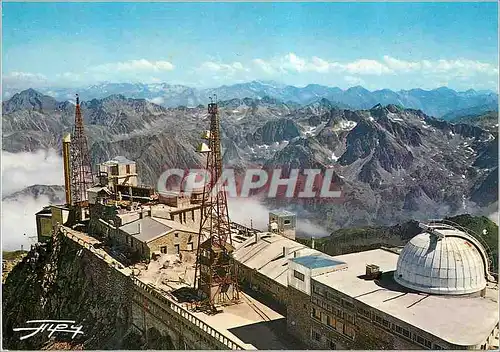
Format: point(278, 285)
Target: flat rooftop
point(266, 255)
point(316, 261)
point(460, 320)
point(250, 323)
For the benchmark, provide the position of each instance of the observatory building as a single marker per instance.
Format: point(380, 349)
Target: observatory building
point(435, 293)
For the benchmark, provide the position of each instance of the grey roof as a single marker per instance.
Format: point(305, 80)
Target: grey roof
point(316, 261)
point(150, 229)
point(121, 160)
point(266, 256)
point(282, 213)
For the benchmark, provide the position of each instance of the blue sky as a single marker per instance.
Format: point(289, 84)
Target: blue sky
point(377, 45)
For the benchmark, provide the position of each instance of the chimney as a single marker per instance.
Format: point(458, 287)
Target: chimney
point(312, 242)
point(286, 251)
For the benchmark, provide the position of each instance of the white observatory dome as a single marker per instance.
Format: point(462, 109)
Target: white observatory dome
point(442, 261)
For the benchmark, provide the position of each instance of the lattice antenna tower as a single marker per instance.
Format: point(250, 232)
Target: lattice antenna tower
point(215, 277)
point(81, 168)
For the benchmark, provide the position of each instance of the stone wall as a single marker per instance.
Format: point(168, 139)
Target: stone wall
point(187, 242)
point(299, 315)
point(258, 282)
point(69, 280)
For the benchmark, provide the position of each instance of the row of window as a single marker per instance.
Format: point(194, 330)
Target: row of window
point(316, 336)
point(377, 319)
point(336, 322)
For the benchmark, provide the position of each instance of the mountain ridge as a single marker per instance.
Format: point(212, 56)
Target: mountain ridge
point(436, 102)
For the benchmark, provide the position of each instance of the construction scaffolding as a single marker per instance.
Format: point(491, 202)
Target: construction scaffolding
point(215, 276)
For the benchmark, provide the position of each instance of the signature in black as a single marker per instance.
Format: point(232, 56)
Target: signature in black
point(52, 326)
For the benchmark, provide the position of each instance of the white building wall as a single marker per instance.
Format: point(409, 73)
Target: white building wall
point(303, 286)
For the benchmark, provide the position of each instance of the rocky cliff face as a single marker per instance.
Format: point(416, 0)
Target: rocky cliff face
point(59, 282)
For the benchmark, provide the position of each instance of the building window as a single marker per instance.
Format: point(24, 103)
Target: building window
point(163, 249)
point(176, 235)
point(316, 335)
point(350, 318)
point(331, 344)
point(364, 312)
point(177, 248)
point(347, 304)
point(315, 289)
point(422, 341)
point(298, 275)
point(437, 347)
point(316, 314)
point(378, 319)
point(287, 222)
point(338, 312)
point(330, 321)
point(127, 168)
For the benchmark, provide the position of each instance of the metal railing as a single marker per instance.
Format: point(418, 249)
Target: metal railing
point(183, 313)
point(188, 316)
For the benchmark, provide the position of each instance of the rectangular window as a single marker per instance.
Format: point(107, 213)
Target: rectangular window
point(386, 324)
point(127, 168)
point(437, 347)
point(378, 319)
point(332, 345)
point(164, 249)
point(287, 222)
point(338, 313)
point(316, 335)
point(177, 249)
point(349, 331)
point(316, 314)
point(364, 312)
point(298, 275)
point(406, 333)
point(350, 318)
point(428, 344)
point(315, 289)
point(347, 304)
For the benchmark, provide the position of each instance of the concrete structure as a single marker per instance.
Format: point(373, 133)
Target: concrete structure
point(262, 262)
point(44, 224)
point(98, 194)
point(283, 222)
point(119, 170)
point(352, 311)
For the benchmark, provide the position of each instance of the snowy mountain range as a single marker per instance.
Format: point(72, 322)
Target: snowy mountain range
point(437, 102)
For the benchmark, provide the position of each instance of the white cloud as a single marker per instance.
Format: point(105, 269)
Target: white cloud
point(388, 65)
point(18, 221)
point(229, 69)
point(141, 65)
point(264, 66)
point(157, 100)
point(20, 170)
point(366, 67)
point(354, 81)
point(24, 79)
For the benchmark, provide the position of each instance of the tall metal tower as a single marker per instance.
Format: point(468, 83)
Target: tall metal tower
point(81, 168)
point(215, 277)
